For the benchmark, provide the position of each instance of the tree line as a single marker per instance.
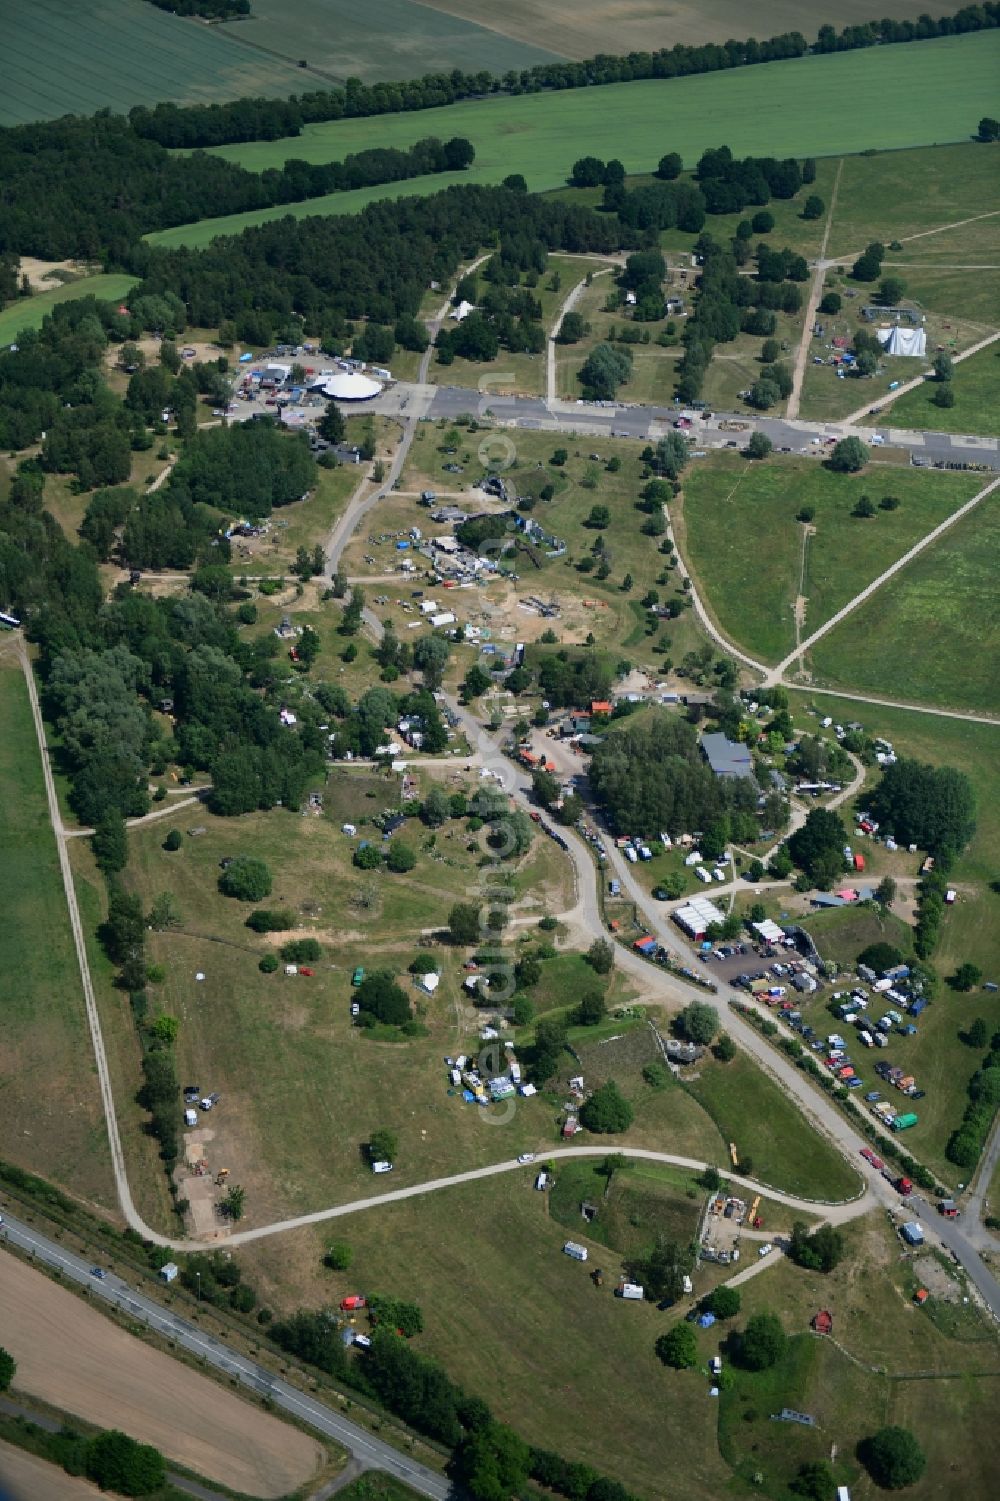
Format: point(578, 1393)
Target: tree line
point(266, 119)
point(489, 1459)
point(91, 187)
point(205, 10)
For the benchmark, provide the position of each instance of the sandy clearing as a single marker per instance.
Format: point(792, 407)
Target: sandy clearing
point(25, 1476)
point(75, 1358)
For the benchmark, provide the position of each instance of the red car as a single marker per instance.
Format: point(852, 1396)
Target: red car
point(869, 1156)
point(303, 970)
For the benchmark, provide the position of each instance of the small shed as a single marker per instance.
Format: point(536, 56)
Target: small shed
point(822, 1321)
point(429, 982)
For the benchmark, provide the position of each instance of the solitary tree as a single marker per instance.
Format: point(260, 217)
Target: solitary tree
point(813, 207)
point(819, 1252)
point(724, 1302)
point(759, 446)
point(464, 925)
point(234, 1203)
point(591, 1010)
point(848, 456)
point(339, 1256)
point(678, 1347)
point(893, 1458)
point(885, 892)
point(944, 366)
point(699, 1022)
point(967, 976)
point(601, 956)
point(606, 1112)
point(763, 1342)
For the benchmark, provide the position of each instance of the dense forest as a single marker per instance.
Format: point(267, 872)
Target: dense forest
point(269, 120)
point(652, 776)
point(91, 187)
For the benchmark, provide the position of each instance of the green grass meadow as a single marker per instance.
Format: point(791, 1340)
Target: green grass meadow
point(977, 399)
point(750, 1110)
point(50, 1110)
point(29, 312)
point(900, 97)
point(932, 635)
point(731, 503)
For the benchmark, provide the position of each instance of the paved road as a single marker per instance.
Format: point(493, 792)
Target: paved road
point(535, 413)
point(371, 1451)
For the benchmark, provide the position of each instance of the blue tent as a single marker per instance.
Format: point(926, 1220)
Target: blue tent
point(706, 1320)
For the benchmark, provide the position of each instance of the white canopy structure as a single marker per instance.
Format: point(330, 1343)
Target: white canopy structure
point(351, 385)
point(905, 341)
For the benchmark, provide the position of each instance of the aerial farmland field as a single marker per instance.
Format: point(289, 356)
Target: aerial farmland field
point(903, 97)
point(395, 39)
point(583, 28)
point(76, 56)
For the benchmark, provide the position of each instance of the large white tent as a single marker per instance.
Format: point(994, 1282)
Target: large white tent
point(905, 341)
point(351, 385)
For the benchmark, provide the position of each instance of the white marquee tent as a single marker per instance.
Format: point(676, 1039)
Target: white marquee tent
point(351, 385)
point(905, 341)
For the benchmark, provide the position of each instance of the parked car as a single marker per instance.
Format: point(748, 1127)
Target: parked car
point(98, 1272)
point(526, 1157)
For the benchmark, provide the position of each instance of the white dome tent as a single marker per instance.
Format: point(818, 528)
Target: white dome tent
point(351, 385)
point(903, 341)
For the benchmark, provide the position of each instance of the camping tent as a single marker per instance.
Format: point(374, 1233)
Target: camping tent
point(905, 341)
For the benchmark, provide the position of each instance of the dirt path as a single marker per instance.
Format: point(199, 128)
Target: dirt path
point(568, 305)
point(815, 293)
point(72, 1356)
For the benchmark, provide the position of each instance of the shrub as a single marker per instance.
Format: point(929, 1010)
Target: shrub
point(174, 840)
point(724, 1302)
point(301, 951)
point(607, 1111)
point(269, 964)
point(401, 857)
point(271, 920)
point(246, 878)
point(678, 1347)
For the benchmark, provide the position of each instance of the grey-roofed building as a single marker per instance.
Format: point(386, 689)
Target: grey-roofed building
point(727, 758)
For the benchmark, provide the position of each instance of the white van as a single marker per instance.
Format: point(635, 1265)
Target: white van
point(381, 1167)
